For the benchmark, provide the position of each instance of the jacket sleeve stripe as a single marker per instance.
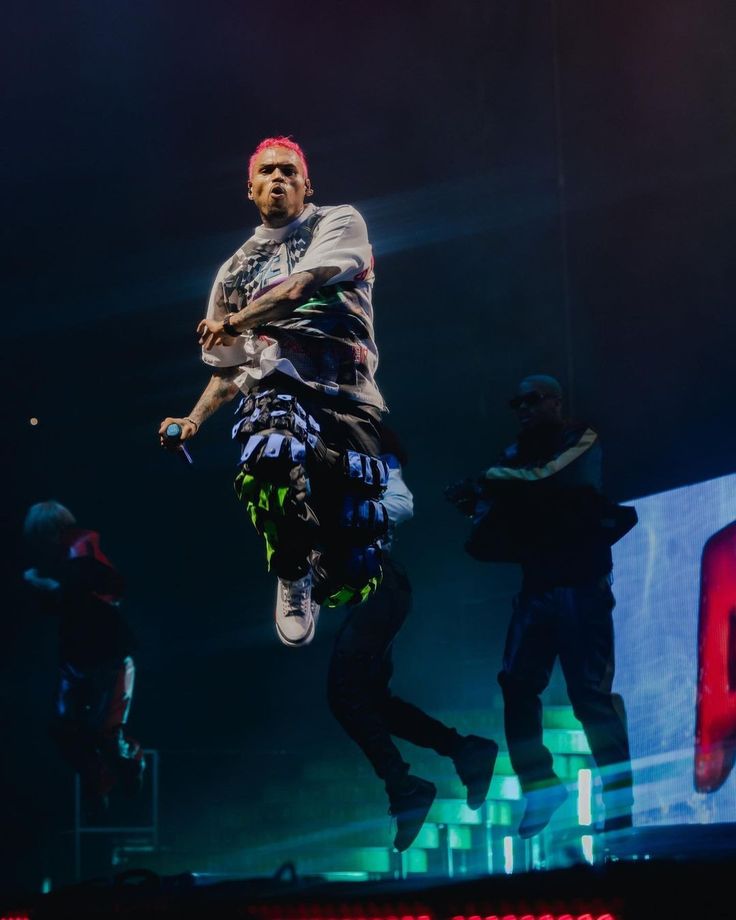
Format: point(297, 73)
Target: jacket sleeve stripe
point(530, 474)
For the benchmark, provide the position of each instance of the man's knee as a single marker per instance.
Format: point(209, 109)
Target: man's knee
point(347, 575)
point(275, 432)
point(510, 687)
point(591, 704)
point(519, 687)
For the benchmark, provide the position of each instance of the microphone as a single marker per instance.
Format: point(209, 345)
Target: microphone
point(172, 440)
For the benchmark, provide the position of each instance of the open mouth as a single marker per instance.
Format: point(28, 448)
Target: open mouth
point(278, 191)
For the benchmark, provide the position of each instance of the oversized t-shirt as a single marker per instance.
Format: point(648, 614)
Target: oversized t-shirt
point(328, 342)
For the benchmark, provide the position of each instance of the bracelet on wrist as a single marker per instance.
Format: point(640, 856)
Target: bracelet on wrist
point(192, 422)
point(229, 329)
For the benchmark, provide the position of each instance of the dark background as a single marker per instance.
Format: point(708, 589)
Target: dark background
point(548, 186)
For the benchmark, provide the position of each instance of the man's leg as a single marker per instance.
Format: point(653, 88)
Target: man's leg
point(358, 676)
point(348, 482)
point(75, 738)
point(110, 695)
point(275, 430)
point(588, 663)
point(474, 757)
point(360, 671)
point(314, 497)
point(123, 752)
point(529, 657)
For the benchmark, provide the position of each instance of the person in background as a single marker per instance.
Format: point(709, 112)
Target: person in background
point(541, 505)
point(359, 676)
point(71, 579)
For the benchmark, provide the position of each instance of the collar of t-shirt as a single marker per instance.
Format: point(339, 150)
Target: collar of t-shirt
point(278, 234)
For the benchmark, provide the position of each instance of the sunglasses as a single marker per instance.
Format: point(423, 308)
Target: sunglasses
point(533, 398)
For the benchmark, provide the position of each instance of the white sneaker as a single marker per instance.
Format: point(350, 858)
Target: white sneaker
point(296, 613)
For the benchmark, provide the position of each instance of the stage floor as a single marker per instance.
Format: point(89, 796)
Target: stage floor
point(682, 871)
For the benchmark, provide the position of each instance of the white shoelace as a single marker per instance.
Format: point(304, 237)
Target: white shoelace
point(289, 592)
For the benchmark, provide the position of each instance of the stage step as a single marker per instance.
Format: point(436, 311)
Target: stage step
point(349, 811)
point(560, 717)
point(453, 811)
point(566, 741)
point(330, 814)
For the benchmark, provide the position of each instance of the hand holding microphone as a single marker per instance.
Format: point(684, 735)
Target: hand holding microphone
point(173, 432)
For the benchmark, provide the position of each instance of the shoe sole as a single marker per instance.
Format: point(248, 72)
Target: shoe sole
point(539, 826)
point(475, 805)
point(295, 643)
point(416, 814)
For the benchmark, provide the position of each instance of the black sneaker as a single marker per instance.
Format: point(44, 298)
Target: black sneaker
point(474, 761)
point(410, 805)
point(541, 804)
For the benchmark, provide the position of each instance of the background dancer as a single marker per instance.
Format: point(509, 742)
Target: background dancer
point(72, 579)
point(541, 505)
point(359, 677)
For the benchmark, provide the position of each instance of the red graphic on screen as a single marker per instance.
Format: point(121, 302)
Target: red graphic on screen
point(715, 725)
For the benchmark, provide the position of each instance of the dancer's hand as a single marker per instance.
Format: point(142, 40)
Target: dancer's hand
point(211, 334)
point(39, 581)
point(464, 495)
point(188, 429)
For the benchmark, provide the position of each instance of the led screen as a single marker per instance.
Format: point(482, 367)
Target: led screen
point(675, 586)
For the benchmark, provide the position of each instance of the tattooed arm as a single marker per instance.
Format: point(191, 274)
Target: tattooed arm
point(220, 389)
point(278, 303)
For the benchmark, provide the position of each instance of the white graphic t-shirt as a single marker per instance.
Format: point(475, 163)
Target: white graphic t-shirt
point(328, 342)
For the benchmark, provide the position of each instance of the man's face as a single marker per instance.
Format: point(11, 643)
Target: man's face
point(278, 186)
point(533, 406)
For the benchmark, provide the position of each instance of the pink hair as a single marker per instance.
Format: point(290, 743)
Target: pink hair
point(278, 142)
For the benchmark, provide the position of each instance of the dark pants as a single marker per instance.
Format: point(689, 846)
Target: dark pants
point(576, 624)
point(348, 559)
point(92, 707)
point(345, 424)
point(359, 675)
